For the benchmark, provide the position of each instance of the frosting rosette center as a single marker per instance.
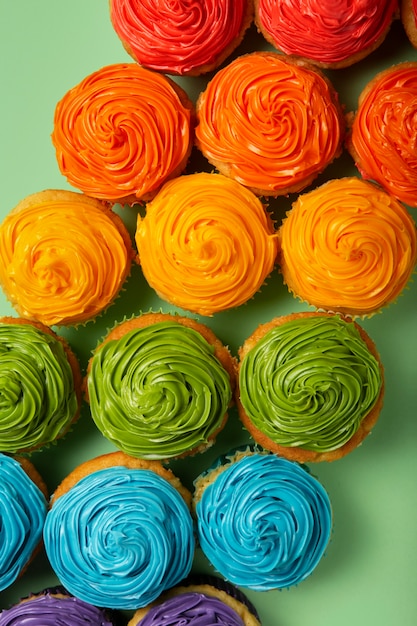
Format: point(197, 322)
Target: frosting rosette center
point(119, 537)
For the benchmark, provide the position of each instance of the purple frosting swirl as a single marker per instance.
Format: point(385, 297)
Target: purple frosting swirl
point(191, 608)
point(47, 609)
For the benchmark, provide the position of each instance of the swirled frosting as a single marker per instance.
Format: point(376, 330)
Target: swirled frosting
point(327, 32)
point(191, 608)
point(22, 515)
point(190, 34)
point(347, 246)
point(50, 608)
point(63, 259)
point(309, 382)
point(120, 537)
point(384, 132)
point(159, 391)
point(38, 400)
point(122, 131)
point(206, 243)
point(269, 123)
point(264, 522)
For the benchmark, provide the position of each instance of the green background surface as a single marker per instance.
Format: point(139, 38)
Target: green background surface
point(369, 573)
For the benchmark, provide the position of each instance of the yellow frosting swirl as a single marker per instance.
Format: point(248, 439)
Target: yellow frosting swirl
point(206, 243)
point(63, 257)
point(347, 246)
point(269, 123)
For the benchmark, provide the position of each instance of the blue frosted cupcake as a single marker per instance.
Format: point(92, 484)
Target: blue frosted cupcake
point(120, 531)
point(23, 506)
point(264, 522)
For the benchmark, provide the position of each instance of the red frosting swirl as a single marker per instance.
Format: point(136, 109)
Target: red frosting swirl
point(178, 37)
point(326, 31)
point(384, 131)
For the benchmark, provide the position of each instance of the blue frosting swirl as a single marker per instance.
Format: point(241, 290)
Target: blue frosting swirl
point(264, 522)
point(22, 516)
point(120, 537)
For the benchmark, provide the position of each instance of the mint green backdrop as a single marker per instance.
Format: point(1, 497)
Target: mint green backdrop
point(369, 573)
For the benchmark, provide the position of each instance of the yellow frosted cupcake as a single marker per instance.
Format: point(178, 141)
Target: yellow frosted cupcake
point(347, 246)
point(63, 257)
point(206, 244)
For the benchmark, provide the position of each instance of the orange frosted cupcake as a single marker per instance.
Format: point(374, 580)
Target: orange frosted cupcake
point(63, 257)
point(189, 40)
point(270, 122)
point(386, 152)
point(206, 243)
point(160, 386)
point(310, 386)
point(329, 36)
point(409, 19)
point(347, 246)
point(40, 385)
point(123, 131)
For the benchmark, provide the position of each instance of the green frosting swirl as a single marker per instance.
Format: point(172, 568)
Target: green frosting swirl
point(37, 396)
point(159, 391)
point(309, 383)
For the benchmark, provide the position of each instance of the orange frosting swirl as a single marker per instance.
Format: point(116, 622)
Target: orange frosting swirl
point(63, 257)
point(206, 243)
point(269, 122)
point(348, 247)
point(384, 131)
point(122, 132)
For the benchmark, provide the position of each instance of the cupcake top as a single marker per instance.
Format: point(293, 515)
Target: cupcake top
point(158, 387)
point(310, 385)
point(40, 386)
point(240, 127)
point(263, 522)
point(206, 243)
point(23, 507)
point(321, 32)
point(63, 257)
point(189, 40)
point(347, 246)
point(50, 607)
point(121, 132)
point(386, 152)
point(119, 532)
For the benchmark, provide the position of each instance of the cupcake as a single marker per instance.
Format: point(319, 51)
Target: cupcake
point(122, 132)
point(40, 386)
point(264, 522)
point(206, 243)
point(160, 386)
point(197, 600)
point(347, 246)
point(329, 36)
point(64, 257)
point(189, 41)
point(386, 152)
point(56, 606)
point(310, 386)
point(408, 14)
point(270, 122)
point(119, 531)
point(23, 506)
